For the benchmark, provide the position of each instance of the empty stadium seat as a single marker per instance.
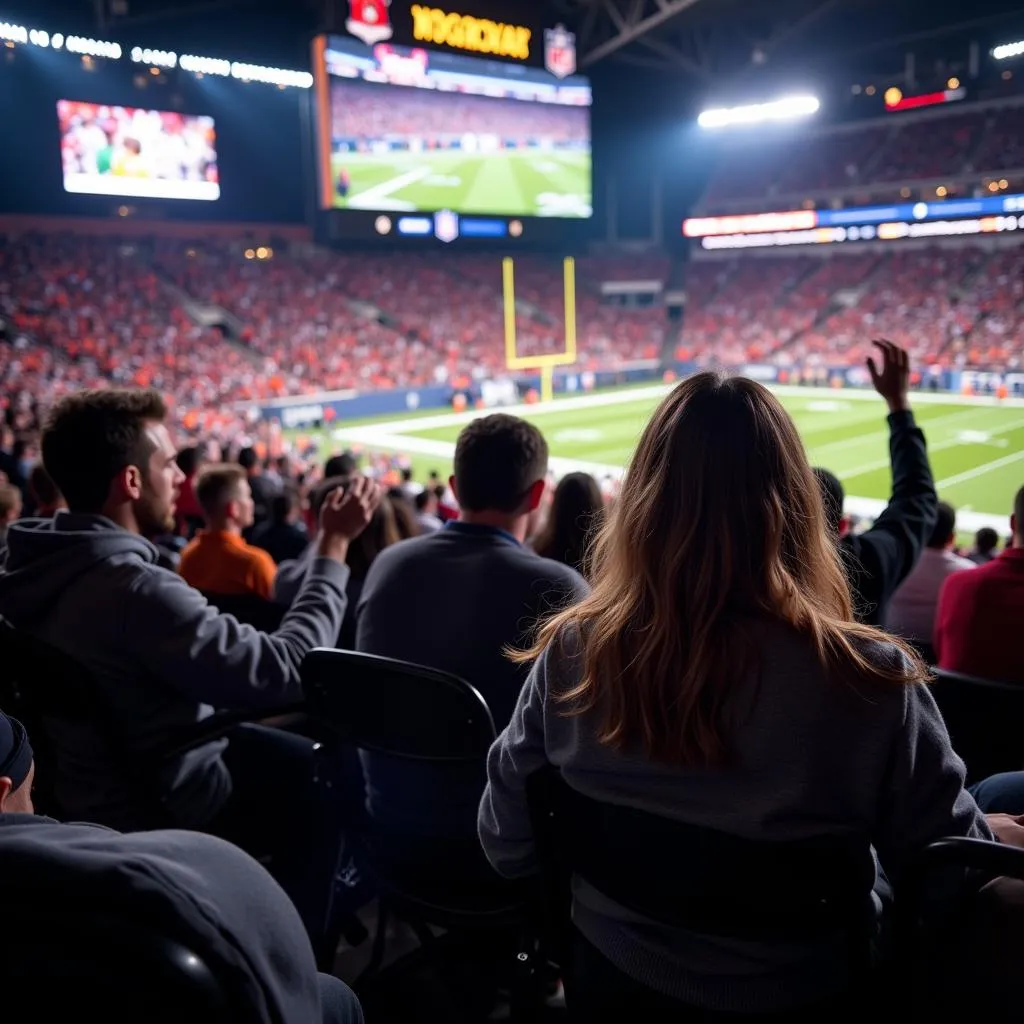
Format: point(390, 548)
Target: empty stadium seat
point(985, 719)
point(422, 717)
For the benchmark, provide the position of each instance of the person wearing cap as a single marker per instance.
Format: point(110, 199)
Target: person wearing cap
point(223, 900)
point(17, 768)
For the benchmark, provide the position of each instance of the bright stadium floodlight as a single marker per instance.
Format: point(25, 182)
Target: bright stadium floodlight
point(205, 65)
point(786, 109)
point(13, 33)
point(271, 76)
point(93, 47)
point(1008, 50)
point(37, 37)
point(156, 58)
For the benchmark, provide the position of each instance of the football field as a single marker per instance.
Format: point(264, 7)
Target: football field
point(976, 445)
point(514, 183)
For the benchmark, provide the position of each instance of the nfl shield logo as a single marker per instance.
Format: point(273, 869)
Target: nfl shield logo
point(446, 225)
point(369, 20)
point(560, 51)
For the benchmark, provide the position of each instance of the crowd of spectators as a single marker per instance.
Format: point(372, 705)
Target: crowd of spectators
point(951, 308)
point(364, 114)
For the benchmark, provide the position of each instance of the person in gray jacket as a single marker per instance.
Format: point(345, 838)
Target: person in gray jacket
point(86, 583)
point(716, 677)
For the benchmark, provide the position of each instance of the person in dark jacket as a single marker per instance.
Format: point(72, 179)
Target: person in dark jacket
point(211, 895)
point(283, 537)
point(880, 559)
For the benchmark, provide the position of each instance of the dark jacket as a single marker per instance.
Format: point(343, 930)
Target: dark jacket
point(160, 654)
point(454, 600)
point(200, 890)
point(880, 559)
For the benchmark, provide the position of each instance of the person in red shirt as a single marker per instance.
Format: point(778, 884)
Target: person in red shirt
point(219, 561)
point(980, 613)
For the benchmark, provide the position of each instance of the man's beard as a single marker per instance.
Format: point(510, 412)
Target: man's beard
point(153, 518)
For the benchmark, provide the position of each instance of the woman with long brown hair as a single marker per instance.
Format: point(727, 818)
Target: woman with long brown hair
point(716, 676)
point(572, 522)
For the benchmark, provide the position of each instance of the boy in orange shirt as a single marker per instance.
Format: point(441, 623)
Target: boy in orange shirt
point(219, 561)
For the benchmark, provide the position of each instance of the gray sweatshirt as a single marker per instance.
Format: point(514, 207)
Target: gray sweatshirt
point(161, 655)
point(810, 757)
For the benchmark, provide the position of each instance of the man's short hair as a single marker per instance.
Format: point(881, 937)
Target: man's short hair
point(944, 528)
point(344, 464)
point(833, 497)
point(986, 540)
point(497, 460)
point(93, 435)
point(217, 485)
point(1018, 511)
point(248, 459)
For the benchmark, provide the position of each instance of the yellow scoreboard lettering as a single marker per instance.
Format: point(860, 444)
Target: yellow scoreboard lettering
point(477, 35)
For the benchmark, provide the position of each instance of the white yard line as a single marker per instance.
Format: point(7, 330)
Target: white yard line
point(854, 442)
point(372, 197)
point(970, 474)
point(938, 446)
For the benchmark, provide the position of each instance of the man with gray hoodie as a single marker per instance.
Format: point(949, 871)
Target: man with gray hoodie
point(86, 583)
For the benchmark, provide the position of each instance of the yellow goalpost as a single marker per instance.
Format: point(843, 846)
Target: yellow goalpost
point(545, 362)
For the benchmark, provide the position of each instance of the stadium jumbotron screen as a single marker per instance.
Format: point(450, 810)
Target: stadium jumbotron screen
point(147, 154)
point(407, 130)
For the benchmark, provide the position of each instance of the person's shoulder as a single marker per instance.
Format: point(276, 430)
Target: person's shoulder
point(548, 569)
point(260, 557)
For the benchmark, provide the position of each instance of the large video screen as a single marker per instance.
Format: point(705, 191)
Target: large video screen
point(407, 130)
point(148, 154)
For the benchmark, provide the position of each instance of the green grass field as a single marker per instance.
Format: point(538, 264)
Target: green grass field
point(509, 183)
point(977, 450)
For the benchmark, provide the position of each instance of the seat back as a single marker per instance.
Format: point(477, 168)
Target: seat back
point(56, 698)
point(985, 720)
point(249, 609)
point(698, 879)
point(118, 970)
point(397, 708)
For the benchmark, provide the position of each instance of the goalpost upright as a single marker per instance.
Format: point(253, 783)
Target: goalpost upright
point(547, 361)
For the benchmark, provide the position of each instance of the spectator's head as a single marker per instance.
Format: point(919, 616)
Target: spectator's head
point(573, 518)
point(45, 493)
point(407, 475)
point(109, 453)
point(1017, 520)
point(986, 540)
point(719, 531)
point(500, 467)
point(10, 505)
point(944, 530)
point(345, 464)
point(191, 460)
point(17, 768)
point(833, 498)
point(284, 507)
point(425, 502)
point(224, 495)
point(249, 460)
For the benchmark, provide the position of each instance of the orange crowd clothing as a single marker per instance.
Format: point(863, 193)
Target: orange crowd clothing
point(222, 563)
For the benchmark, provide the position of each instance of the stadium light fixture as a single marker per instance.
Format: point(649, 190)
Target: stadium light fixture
point(205, 65)
point(13, 33)
point(93, 47)
point(271, 76)
point(1008, 50)
point(786, 109)
point(156, 58)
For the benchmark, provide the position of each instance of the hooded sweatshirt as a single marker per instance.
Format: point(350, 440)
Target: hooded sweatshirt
point(202, 891)
point(161, 657)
